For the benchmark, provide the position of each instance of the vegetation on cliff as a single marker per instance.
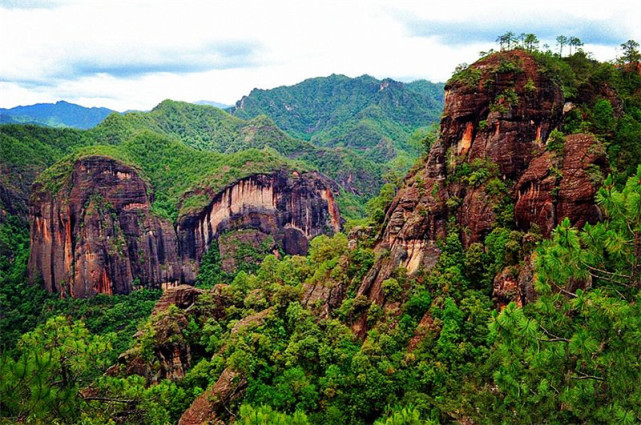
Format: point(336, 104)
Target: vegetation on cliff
point(303, 342)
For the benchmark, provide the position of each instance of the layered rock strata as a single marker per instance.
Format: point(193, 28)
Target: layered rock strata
point(291, 207)
point(97, 234)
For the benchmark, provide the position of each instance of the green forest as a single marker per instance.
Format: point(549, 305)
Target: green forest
point(439, 349)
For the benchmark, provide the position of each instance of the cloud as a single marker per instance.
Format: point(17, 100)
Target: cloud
point(30, 4)
point(128, 54)
point(228, 54)
point(128, 40)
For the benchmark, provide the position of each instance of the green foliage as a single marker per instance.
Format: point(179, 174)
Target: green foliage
point(391, 289)
point(474, 173)
point(264, 415)
point(467, 75)
point(43, 381)
point(572, 355)
point(372, 116)
point(20, 303)
point(556, 143)
point(606, 252)
point(405, 416)
point(604, 120)
point(509, 65)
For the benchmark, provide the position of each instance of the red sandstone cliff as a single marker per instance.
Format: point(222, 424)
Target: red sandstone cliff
point(291, 207)
point(491, 149)
point(96, 234)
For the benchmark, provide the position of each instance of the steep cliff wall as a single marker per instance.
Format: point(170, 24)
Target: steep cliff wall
point(290, 207)
point(491, 152)
point(96, 233)
point(562, 184)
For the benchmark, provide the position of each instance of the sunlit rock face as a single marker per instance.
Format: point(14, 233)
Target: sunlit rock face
point(96, 234)
point(290, 207)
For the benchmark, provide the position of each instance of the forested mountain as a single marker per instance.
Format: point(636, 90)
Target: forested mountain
point(499, 283)
point(59, 114)
point(208, 128)
point(376, 117)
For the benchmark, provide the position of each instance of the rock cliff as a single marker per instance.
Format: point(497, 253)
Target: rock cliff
point(562, 184)
point(491, 153)
point(290, 207)
point(96, 233)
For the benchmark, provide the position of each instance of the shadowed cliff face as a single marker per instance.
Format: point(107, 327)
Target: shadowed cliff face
point(498, 116)
point(97, 234)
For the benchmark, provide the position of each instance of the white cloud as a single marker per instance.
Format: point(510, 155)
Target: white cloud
point(128, 54)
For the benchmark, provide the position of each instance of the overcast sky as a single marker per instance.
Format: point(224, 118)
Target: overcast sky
point(132, 54)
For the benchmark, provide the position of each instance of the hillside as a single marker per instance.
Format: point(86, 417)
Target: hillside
point(375, 117)
point(59, 114)
point(208, 128)
point(25, 151)
point(499, 284)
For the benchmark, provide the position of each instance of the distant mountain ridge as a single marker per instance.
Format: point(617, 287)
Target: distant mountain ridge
point(376, 117)
point(211, 129)
point(59, 114)
point(213, 103)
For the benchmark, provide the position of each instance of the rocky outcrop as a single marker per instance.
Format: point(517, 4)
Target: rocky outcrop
point(290, 207)
point(162, 350)
point(491, 151)
point(562, 184)
point(205, 409)
point(230, 386)
point(96, 233)
point(515, 284)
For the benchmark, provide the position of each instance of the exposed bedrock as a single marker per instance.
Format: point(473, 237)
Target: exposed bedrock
point(498, 116)
point(95, 232)
point(292, 208)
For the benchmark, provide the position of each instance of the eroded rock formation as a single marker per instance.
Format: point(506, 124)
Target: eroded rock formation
point(162, 351)
point(96, 233)
point(562, 184)
point(290, 207)
point(491, 150)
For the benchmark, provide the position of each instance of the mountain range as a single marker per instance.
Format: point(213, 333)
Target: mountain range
point(59, 114)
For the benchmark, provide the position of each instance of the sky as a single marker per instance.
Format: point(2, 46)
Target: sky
point(132, 54)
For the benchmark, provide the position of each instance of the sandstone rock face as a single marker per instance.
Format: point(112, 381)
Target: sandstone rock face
point(169, 353)
point(515, 284)
point(204, 410)
point(498, 116)
point(290, 208)
point(96, 234)
point(562, 185)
